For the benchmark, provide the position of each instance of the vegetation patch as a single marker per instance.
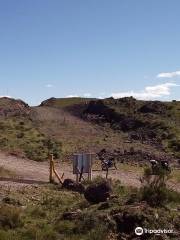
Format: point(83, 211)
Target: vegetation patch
point(50, 212)
point(19, 136)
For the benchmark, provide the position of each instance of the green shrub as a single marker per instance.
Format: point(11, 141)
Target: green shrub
point(155, 196)
point(36, 153)
point(10, 217)
point(53, 147)
point(155, 191)
point(175, 145)
point(37, 212)
point(173, 196)
point(9, 235)
point(65, 227)
point(3, 142)
point(36, 233)
point(98, 233)
point(21, 134)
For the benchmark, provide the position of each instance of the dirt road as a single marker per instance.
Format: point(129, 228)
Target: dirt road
point(28, 172)
point(26, 169)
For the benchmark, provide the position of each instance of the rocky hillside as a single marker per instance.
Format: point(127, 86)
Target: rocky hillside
point(12, 107)
point(134, 130)
point(154, 123)
point(137, 130)
point(148, 123)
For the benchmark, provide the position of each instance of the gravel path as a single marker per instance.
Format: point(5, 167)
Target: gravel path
point(26, 169)
point(32, 172)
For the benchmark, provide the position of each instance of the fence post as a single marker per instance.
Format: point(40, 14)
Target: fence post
point(90, 170)
point(51, 168)
point(107, 171)
point(77, 178)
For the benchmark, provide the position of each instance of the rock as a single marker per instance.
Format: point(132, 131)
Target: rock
point(103, 206)
point(135, 136)
point(13, 107)
point(11, 201)
point(73, 186)
point(129, 123)
point(127, 222)
point(97, 193)
point(156, 107)
point(72, 215)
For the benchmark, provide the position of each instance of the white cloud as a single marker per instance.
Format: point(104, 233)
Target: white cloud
point(71, 96)
point(150, 92)
point(168, 74)
point(87, 95)
point(49, 85)
point(5, 96)
point(102, 95)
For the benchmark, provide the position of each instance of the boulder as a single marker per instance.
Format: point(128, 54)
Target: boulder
point(155, 107)
point(97, 193)
point(73, 186)
point(127, 222)
point(72, 215)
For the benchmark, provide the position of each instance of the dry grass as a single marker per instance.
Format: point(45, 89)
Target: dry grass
point(130, 168)
point(176, 175)
point(6, 173)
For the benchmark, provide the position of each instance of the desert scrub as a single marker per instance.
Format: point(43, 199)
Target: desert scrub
point(37, 212)
point(35, 232)
point(44, 215)
point(89, 226)
point(61, 200)
point(20, 135)
point(174, 145)
point(10, 217)
point(155, 191)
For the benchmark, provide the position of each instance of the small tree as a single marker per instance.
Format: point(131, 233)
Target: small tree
point(154, 190)
point(53, 147)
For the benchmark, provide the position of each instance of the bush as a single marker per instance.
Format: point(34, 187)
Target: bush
point(65, 227)
point(53, 147)
point(174, 145)
point(98, 233)
point(155, 196)
point(36, 153)
point(99, 192)
point(35, 233)
point(10, 217)
point(154, 191)
point(37, 212)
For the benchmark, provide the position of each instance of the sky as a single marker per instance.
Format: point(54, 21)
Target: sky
point(89, 48)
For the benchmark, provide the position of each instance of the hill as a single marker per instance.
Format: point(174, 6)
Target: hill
point(12, 107)
point(136, 129)
point(19, 135)
point(126, 123)
point(151, 122)
point(133, 131)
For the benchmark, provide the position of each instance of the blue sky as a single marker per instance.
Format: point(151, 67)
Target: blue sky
point(97, 48)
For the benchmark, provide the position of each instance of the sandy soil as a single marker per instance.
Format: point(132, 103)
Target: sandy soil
point(30, 172)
